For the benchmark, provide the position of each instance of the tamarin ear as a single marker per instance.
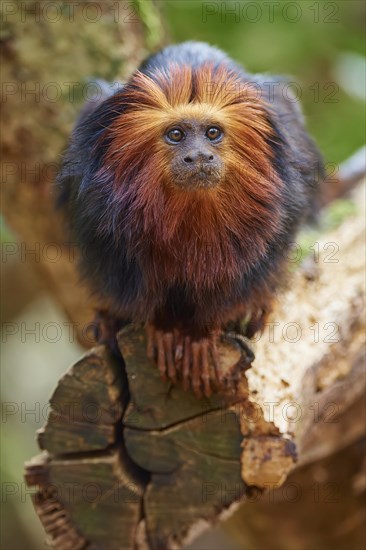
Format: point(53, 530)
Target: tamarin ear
point(282, 99)
point(76, 158)
point(100, 91)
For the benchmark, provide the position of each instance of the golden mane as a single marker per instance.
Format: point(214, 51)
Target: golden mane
point(193, 236)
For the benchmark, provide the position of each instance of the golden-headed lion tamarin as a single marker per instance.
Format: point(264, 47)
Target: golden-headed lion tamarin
point(185, 187)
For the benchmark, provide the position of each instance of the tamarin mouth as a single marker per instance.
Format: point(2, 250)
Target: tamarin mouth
point(200, 179)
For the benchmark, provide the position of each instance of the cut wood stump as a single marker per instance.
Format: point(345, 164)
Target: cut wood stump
point(130, 461)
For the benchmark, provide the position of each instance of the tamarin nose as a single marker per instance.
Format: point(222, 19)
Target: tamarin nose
point(198, 156)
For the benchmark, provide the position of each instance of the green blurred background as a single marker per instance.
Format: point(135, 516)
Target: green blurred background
point(320, 45)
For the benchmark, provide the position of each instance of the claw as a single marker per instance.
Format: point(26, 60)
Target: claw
point(196, 371)
point(105, 328)
point(161, 354)
point(168, 348)
point(244, 343)
point(216, 359)
point(178, 346)
point(205, 369)
point(186, 362)
point(150, 332)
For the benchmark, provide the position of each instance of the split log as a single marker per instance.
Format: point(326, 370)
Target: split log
point(153, 467)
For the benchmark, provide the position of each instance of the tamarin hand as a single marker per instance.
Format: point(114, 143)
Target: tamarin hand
point(194, 363)
point(181, 358)
point(184, 189)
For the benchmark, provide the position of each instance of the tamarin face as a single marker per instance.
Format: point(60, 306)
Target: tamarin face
point(189, 157)
point(193, 147)
point(191, 131)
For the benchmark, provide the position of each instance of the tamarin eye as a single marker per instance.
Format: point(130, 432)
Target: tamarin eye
point(214, 133)
point(175, 135)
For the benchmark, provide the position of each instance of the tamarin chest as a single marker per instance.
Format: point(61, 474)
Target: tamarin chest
point(192, 262)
